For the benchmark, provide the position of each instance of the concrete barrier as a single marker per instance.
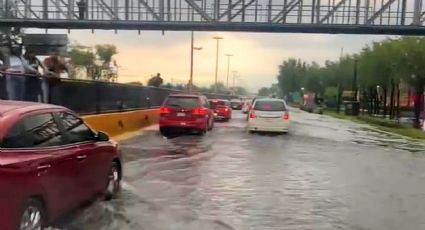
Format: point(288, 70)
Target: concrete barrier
point(115, 124)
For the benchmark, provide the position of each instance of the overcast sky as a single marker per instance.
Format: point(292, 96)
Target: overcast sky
point(256, 55)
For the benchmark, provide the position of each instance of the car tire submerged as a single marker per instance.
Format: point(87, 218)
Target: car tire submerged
point(114, 182)
point(33, 216)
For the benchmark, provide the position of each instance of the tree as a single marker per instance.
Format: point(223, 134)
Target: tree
point(239, 90)
point(105, 52)
point(273, 91)
point(221, 88)
point(411, 62)
point(264, 91)
point(155, 81)
point(291, 75)
point(83, 58)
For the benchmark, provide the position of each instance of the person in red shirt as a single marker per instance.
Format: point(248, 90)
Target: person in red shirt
point(54, 66)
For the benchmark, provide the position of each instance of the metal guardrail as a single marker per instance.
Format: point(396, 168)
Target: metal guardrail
point(92, 97)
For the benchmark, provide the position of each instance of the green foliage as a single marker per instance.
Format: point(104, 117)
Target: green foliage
point(397, 59)
point(105, 52)
point(155, 81)
point(84, 57)
point(240, 90)
point(264, 91)
point(330, 92)
point(272, 91)
point(81, 57)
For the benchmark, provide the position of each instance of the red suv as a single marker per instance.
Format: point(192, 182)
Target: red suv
point(187, 112)
point(50, 163)
point(222, 109)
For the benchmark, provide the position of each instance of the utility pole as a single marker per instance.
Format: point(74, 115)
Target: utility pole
point(354, 85)
point(216, 63)
point(228, 68)
point(234, 77)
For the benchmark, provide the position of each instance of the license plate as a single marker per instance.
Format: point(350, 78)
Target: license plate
point(183, 123)
point(215, 114)
point(181, 114)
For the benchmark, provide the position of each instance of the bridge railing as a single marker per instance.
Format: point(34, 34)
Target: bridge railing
point(341, 12)
point(85, 96)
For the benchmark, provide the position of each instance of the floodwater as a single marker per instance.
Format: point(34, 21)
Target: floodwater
point(325, 174)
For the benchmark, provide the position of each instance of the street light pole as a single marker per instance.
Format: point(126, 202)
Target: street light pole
point(228, 69)
point(216, 62)
point(192, 48)
point(191, 63)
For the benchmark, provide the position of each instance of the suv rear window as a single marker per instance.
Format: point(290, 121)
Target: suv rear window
point(215, 104)
point(269, 106)
point(183, 102)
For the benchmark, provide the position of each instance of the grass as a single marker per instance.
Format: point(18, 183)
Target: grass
point(381, 124)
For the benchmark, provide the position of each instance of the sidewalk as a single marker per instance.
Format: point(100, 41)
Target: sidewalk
point(382, 124)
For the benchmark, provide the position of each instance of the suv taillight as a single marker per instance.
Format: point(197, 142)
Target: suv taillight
point(285, 116)
point(164, 110)
point(199, 111)
point(252, 115)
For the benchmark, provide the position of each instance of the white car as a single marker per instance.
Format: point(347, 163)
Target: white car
point(269, 115)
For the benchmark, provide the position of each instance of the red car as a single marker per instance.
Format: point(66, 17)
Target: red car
point(186, 112)
point(50, 163)
point(222, 109)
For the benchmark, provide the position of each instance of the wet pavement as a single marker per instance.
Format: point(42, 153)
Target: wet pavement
point(325, 174)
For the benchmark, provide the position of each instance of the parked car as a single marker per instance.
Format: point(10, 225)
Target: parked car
point(50, 163)
point(236, 104)
point(222, 109)
point(186, 112)
point(269, 115)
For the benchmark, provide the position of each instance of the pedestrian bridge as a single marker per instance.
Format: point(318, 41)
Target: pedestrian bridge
point(403, 17)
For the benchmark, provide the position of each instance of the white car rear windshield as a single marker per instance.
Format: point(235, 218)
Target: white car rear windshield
point(183, 102)
point(269, 106)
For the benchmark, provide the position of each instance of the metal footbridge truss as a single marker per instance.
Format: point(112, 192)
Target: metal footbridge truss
point(403, 17)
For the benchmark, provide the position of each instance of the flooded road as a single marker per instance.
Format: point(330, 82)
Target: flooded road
point(325, 174)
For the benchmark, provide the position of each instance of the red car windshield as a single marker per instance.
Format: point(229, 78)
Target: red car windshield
point(217, 104)
point(183, 102)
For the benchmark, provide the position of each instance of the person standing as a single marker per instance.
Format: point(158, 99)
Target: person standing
point(82, 8)
point(33, 83)
point(15, 74)
point(54, 68)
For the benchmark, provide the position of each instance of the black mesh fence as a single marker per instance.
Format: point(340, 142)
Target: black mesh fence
point(92, 97)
